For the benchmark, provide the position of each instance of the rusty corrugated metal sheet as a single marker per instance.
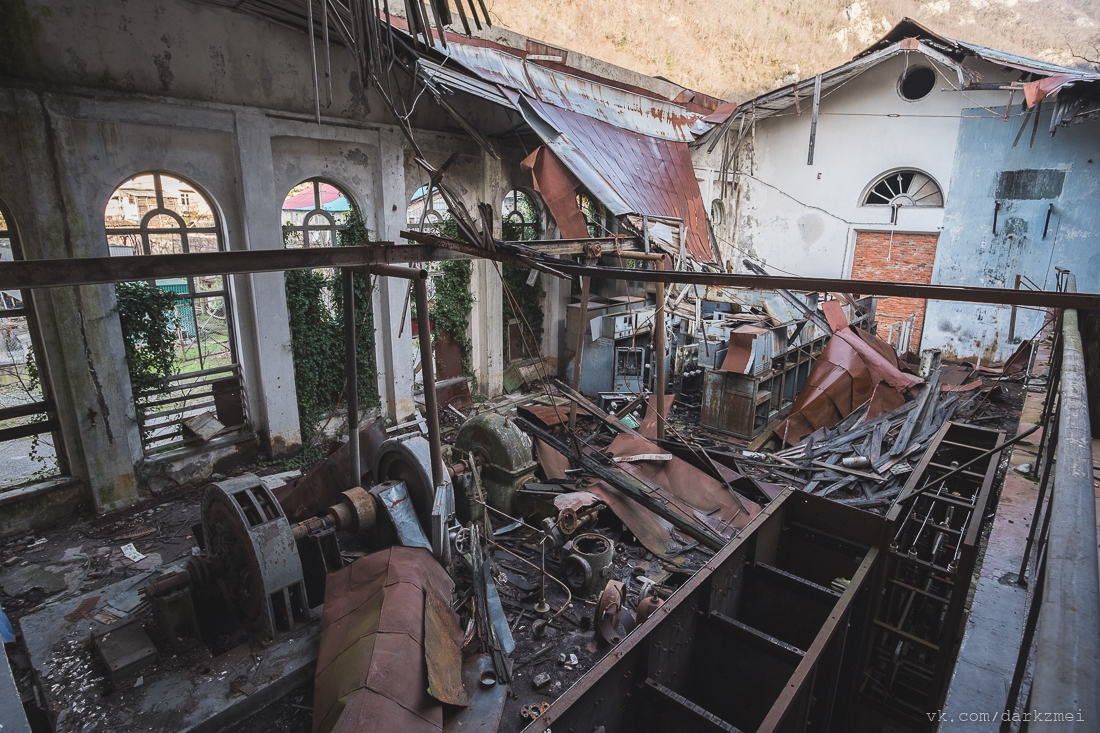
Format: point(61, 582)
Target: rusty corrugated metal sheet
point(649, 175)
point(629, 150)
point(851, 368)
point(371, 670)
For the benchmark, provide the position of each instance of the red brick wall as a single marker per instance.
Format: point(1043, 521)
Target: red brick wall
point(907, 259)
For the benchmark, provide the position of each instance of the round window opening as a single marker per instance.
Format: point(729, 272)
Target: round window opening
point(917, 83)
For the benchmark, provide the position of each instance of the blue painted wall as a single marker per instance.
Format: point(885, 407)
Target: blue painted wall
point(969, 253)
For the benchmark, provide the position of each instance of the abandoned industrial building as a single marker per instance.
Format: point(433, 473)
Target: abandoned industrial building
point(367, 366)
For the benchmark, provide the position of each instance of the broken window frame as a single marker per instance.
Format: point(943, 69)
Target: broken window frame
point(595, 214)
point(532, 229)
point(431, 218)
point(901, 188)
point(162, 430)
point(38, 416)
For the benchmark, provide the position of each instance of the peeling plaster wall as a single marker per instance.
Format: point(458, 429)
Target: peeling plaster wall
point(174, 48)
point(970, 254)
point(231, 112)
point(802, 218)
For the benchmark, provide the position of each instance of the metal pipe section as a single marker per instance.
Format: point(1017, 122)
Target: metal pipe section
point(427, 370)
point(419, 278)
point(578, 357)
point(1067, 658)
point(659, 355)
point(351, 369)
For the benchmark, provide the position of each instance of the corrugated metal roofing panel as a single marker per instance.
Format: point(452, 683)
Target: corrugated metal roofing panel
point(615, 106)
point(461, 81)
point(642, 174)
point(492, 65)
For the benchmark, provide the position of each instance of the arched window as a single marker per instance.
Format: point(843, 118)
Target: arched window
point(28, 422)
point(314, 213)
point(521, 217)
point(157, 213)
point(595, 214)
point(904, 188)
point(427, 213)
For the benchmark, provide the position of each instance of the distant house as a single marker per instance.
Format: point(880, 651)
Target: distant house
point(924, 159)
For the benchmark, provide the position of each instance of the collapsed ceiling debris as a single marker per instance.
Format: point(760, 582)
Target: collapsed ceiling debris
point(542, 546)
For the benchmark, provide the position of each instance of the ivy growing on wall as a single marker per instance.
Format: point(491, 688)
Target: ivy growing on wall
point(315, 307)
point(146, 313)
point(529, 298)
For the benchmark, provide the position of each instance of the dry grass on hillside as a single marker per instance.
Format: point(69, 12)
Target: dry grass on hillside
point(735, 49)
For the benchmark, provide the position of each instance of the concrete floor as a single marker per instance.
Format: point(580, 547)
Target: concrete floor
point(994, 629)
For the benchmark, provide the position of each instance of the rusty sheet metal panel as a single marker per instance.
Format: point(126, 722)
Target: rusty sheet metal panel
point(689, 492)
point(641, 114)
point(629, 111)
point(371, 669)
point(321, 487)
point(760, 639)
point(652, 176)
point(844, 378)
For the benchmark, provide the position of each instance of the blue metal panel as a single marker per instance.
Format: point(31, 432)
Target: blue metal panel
point(970, 253)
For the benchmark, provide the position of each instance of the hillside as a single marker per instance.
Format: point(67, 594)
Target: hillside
point(736, 49)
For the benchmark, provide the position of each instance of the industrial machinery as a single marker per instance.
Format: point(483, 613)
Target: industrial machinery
point(258, 575)
point(502, 462)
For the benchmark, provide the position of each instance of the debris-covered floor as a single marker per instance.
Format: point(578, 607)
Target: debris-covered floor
point(563, 542)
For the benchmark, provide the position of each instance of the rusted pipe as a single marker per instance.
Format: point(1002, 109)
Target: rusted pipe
point(659, 354)
point(427, 369)
point(351, 371)
point(578, 357)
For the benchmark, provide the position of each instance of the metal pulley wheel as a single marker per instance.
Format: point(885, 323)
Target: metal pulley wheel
point(247, 534)
point(409, 460)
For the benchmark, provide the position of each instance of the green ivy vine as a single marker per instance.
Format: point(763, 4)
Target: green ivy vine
point(315, 308)
point(529, 298)
point(147, 315)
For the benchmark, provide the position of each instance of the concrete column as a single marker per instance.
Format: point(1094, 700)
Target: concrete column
point(82, 337)
point(555, 305)
point(260, 299)
point(392, 314)
point(487, 314)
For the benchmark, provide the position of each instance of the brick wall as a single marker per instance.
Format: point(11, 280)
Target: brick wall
point(908, 259)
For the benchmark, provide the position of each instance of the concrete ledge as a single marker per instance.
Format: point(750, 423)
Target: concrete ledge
point(40, 505)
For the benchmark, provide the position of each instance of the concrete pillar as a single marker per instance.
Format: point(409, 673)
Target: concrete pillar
point(263, 327)
point(555, 305)
point(487, 314)
point(83, 340)
point(392, 314)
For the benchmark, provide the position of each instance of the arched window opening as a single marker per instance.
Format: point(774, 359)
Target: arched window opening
point(427, 213)
point(320, 214)
point(153, 214)
point(595, 215)
point(521, 216)
point(28, 421)
point(904, 188)
point(314, 213)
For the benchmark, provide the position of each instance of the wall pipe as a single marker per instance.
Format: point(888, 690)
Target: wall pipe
point(351, 369)
point(419, 278)
point(1067, 657)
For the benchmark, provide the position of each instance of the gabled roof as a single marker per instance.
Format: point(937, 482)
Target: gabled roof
point(906, 36)
point(909, 28)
